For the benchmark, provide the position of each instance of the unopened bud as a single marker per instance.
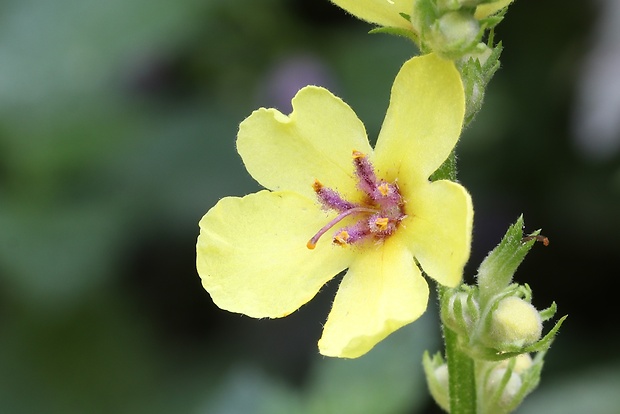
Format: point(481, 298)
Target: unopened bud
point(508, 391)
point(515, 323)
point(454, 34)
point(481, 53)
point(461, 312)
point(523, 362)
point(506, 383)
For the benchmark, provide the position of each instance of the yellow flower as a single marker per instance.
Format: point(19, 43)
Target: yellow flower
point(267, 254)
point(388, 12)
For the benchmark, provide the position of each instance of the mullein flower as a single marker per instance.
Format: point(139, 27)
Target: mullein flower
point(334, 203)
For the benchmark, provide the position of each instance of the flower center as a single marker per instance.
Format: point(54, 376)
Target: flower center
point(377, 217)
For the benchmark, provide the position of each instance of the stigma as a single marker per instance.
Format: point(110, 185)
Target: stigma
point(375, 218)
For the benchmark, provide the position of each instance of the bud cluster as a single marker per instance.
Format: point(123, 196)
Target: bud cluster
point(455, 28)
point(506, 383)
point(503, 384)
point(496, 320)
point(497, 326)
point(504, 326)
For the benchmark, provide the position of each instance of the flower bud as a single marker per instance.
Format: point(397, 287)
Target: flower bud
point(507, 383)
point(514, 323)
point(481, 53)
point(446, 5)
point(454, 34)
point(523, 362)
point(461, 313)
point(510, 388)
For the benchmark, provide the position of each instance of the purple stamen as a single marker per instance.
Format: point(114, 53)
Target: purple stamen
point(331, 199)
point(381, 225)
point(312, 242)
point(383, 207)
point(366, 174)
point(387, 194)
point(354, 233)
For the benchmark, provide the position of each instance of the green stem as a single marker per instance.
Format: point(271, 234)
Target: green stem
point(461, 375)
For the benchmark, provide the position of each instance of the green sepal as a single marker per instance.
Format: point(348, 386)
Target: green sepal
point(548, 313)
point(460, 315)
point(496, 271)
point(476, 77)
point(473, 323)
point(530, 379)
point(437, 387)
point(491, 21)
point(491, 354)
point(397, 31)
point(492, 402)
point(544, 343)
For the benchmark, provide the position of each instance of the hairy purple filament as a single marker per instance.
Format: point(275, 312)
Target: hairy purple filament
point(380, 213)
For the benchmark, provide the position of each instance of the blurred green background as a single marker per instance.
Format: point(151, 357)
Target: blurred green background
point(117, 129)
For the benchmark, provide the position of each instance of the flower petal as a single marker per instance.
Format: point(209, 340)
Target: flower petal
point(315, 142)
point(438, 228)
point(424, 118)
point(252, 255)
point(382, 291)
point(381, 12)
point(489, 9)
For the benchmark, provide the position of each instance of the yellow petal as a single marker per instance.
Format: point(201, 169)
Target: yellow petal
point(252, 255)
point(314, 142)
point(489, 9)
point(423, 121)
point(382, 291)
point(438, 228)
point(381, 12)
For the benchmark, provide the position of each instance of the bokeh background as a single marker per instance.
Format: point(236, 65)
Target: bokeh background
point(117, 128)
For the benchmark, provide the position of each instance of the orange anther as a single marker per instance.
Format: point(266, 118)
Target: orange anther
point(384, 189)
point(316, 185)
point(341, 238)
point(357, 154)
point(382, 223)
